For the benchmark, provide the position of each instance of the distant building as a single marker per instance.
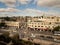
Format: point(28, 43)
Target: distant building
point(43, 22)
point(12, 24)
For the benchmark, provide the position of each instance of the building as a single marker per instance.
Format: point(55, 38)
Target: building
point(43, 22)
point(13, 24)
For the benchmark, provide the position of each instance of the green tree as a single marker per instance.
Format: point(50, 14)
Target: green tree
point(5, 37)
point(10, 18)
point(56, 28)
point(2, 25)
point(7, 18)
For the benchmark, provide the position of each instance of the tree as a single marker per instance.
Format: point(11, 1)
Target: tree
point(10, 18)
point(5, 37)
point(7, 18)
point(56, 28)
point(2, 24)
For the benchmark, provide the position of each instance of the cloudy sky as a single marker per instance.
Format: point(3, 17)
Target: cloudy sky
point(29, 7)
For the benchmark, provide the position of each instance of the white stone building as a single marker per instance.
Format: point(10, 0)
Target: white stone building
point(12, 24)
point(43, 22)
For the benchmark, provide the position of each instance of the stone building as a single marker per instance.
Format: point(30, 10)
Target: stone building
point(43, 22)
point(12, 24)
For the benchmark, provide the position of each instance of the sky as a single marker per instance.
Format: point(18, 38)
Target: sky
point(29, 7)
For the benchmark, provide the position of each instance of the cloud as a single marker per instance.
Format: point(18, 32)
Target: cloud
point(26, 12)
point(32, 12)
point(39, 12)
point(35, 12)
point(43, 3)
point(9, 3)
point(49, 3)
point(12, 3)
point(9, 10)
point(24, 1)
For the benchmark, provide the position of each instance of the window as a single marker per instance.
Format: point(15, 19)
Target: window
point(53, 26)
point(41, 26)
point(38, 26)
point(57, 19)
point(45, 26)
point(52, 17)
point(42, 23)
point(42, 16)
point(38, 29)
point(49, 26)
point(50, 23)
point(35, 26)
